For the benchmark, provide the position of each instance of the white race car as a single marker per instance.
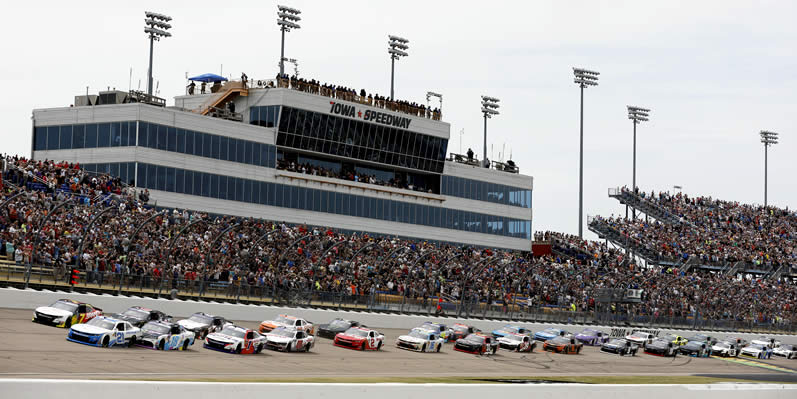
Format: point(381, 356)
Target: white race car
point(163, 335)
point(104, 331)
point(203, 324)
point(786, 350)
point(420, 339)
point(766, 341)
point(289, 340)
point(297, 323)
point(236, 339)
point(725, 349)
point(757, 351)
point(640, 338)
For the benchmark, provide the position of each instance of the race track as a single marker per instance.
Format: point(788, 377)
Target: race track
point(32, 350)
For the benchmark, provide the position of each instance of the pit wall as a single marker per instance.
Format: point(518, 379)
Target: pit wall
point(30, 299)
point(57, 389)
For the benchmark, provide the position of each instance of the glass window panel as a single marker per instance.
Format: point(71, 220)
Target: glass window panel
point(180, 140)
point(189, 182)
point(179, 181)
point(152, 176)
point(162, 137)
point(171, 139)
point(249, 190)
point(152, 136)
point(161, 176)
point(199, 143)
point(197, 179)
point(65, 141)
point(116, 133)
point(241, 187)
point(214, 185)
point(40, 138)
point(239, 150)
point(206, 185)
point(223, 193)
point(91, 135)
point(171, 177)
point(214, 146)
point(224, 148)
point(143, 139)
point(207, 145)
point(104, 135)
point(248, 152)
point(189, 142)
point(52, 141)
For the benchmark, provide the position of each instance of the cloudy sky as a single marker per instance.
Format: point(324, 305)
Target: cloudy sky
point(714, 73)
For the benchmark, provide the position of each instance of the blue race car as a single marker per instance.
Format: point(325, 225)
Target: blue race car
point(550, 333)
point(510, 329)
point(105, 332)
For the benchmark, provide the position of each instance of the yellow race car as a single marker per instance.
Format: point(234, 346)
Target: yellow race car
point(676, 340)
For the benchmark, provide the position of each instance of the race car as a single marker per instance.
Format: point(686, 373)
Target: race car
point(437, 328)
point(282, 320)
point(696, 348)
point(510, 329)
point(421, 340)
point(139, 316)
point(517, 343)
point(740, 342)
point(105, 332)
point(590, 336)
point(459, 330)
point(622, 347)
point(163, 335)
point(550, 333)
point(289, 340)
point(786, 350)
point(766, 341)
point(661, 347)
point(65, 313)
point(703, 338)
point(236, 339)
point(360, 338)
point(676, 340)
point(562, 344)
point(725, 349)
point(477, 343)
point(202, 324)
point(640, 338)
point(757, 351)
point(334, 327)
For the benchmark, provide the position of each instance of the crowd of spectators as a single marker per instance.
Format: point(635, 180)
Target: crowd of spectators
point(714, 232)
point(348, 94)
point(351, 175)
point(252, 255)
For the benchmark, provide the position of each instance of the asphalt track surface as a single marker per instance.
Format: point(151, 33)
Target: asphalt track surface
point(31, 350)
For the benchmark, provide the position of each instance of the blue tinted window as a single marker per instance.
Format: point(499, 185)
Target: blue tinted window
point(53, 137)
point(91, 136)
point(66, 138)
point(171, 139)
point(180, 181)
point(214, 147)
point(40, 139)
point(104, 135)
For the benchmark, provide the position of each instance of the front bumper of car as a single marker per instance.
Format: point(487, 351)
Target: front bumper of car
point(279, 346)
point(349, 343)
point(83, 338)
point(504, 345)
point(50, 320)
point(658, 351)
point(326, 333)
point(220, 345)
point(468, 348)
point(413, 346)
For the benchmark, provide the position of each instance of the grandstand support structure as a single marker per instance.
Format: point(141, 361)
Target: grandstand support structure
point(210, 254)
point(288, 248)
point(36, 240)
point(399, 249)
point(177, 236)
point(8, 201)
point(361, 249)
point(519, 284)
point(628, 198)
point(466, 275)
point(133, 238)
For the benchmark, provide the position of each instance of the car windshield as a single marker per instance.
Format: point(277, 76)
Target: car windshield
point(339, 323)
point(617, 342)
point(787, 347)
point(357, 332)
point(723, 345)
point(456, 327)
point(508, 329)
point(283, 320)
point(670, 337)
point(560, 340)
point(155, 328)
point(137, 313)
point(513, 337)
point(552, 331)
point(758, 346)
point(101, 323)
point(475, 338)
point(430, 326)
point(283, 332)
point(699, 337)
point(201, 319)
point(418, 334)
point(588, 332)
point(233, 332)
point(64, 306)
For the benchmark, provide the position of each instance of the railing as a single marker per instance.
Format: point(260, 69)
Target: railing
point(516, 309)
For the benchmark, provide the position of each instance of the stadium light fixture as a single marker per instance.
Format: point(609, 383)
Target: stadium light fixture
point(636, 115)
point(156, 26)
point(489, 109)
point(583, 78)
point(767, 138)
point(397, 48)
point(429, 95)
point(288, 19)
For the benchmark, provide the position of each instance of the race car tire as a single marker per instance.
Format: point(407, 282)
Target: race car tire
point(362, 346)
point(258, 348)
point(578, 350)
point(185, 345)
point(105, 341)
point(423, 348)
point(307, 348)
point(438, 348)
point(132, 341)
point(379, 346)
point(495, 349)
point(68, 323)
point(161, 345)
point(565, 350)
point(288, 348)
point(238, 349)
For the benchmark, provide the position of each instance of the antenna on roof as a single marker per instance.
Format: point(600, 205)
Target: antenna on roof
point(130, 80)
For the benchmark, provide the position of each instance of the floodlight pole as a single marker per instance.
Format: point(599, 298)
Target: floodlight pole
point(282, 53)
point(766, 146)
point(484, 156)
point(392, 73)
point(633, 176)
point(149, 74)
point(767, 138)
point(581, 170)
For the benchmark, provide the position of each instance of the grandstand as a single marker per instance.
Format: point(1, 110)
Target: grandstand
point(58, 217)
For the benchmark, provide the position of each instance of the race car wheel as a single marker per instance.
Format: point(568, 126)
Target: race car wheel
point(238, 349)
point(185, 345)
point(495, 349)
point(379, 346)
point(565, 350)
point(423, 348)
point(578, 350)
point(307, 348)
point(105, 342)
point(132, 341)
point(362, 346)
point(258, 348)
point(68, 322)
point(161, 345)
point(438, 348)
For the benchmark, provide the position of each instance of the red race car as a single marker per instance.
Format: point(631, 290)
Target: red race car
point(360, 338)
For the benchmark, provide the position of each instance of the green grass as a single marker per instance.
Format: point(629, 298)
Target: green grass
point(651, 379)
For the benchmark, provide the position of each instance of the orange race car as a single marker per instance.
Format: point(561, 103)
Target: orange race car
point(564, 345)
point(296, 323)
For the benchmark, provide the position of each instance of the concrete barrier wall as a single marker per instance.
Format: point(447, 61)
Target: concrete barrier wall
point(57, 389)
point(30, 299)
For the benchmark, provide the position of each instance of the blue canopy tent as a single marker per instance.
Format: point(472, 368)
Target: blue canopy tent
point(208, 77)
